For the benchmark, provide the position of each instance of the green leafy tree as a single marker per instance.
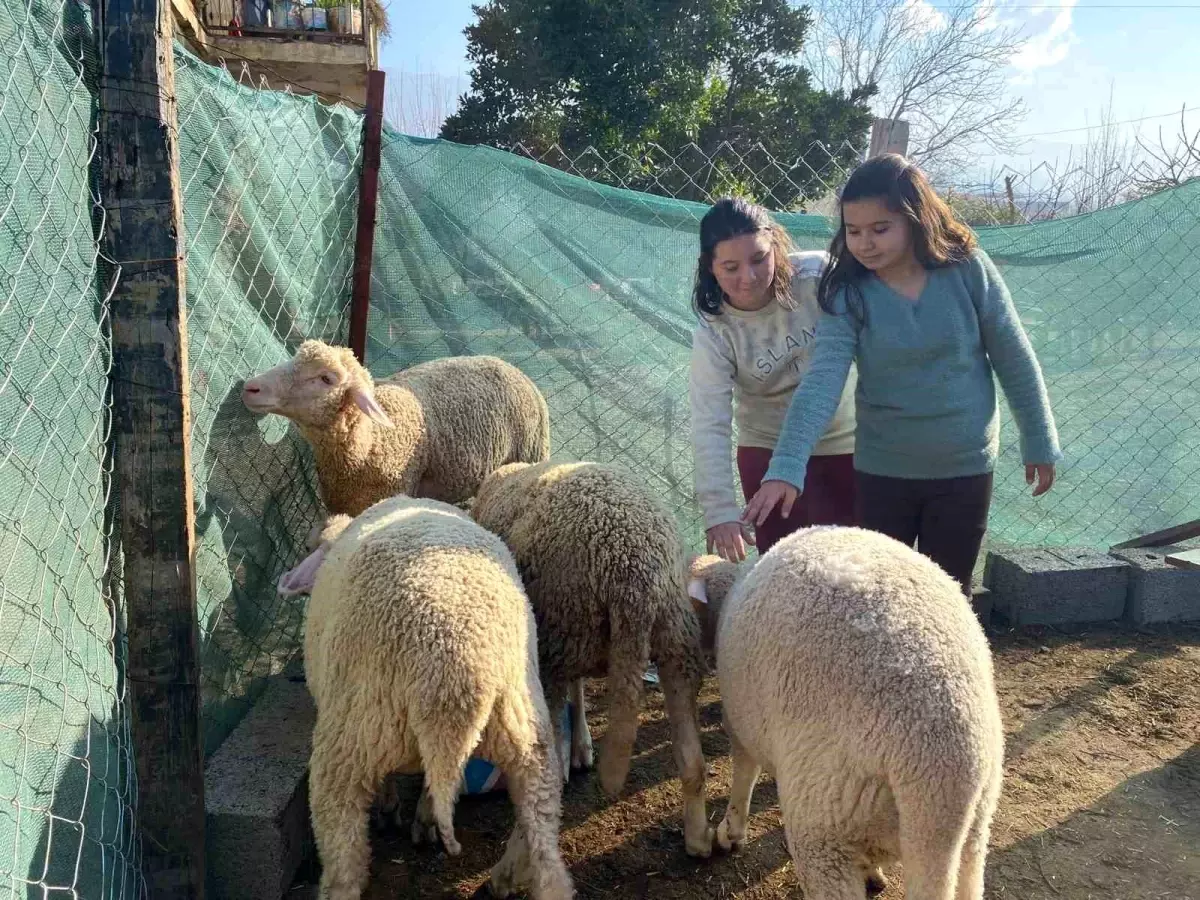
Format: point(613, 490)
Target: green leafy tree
point(714, 84)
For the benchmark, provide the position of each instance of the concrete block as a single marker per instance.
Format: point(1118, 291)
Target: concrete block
point(981, 602)
point(256, 797)
point(1056, 586)
point(1159, 591)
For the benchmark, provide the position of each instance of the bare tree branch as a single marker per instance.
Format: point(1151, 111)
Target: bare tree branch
point(941, 68)
point(1173, 166)
point(418, 103)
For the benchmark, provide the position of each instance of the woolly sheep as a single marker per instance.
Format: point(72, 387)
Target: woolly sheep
point(419, 646)
point(853, 669)
point(604, 567)
point(434, 430)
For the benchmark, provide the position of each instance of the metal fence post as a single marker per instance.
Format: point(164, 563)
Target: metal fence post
point(142, 237)
point(368, 192)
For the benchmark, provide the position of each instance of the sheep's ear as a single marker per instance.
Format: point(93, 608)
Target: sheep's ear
point(364, 399)
point(300, 580)
point(698, 590)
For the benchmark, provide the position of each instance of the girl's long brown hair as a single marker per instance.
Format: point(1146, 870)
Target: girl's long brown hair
point(733, 217)
point(940, 238)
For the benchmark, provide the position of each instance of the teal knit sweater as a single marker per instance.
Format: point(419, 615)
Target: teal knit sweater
point(926, 399)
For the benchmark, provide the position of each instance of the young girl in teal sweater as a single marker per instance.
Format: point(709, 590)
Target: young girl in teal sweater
point(912, 300)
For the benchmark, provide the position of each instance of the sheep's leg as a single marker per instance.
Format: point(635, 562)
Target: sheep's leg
point(934, 820)
point(628, 657)
point(532, 859)
point(443, 776)
point(424, 828)
point(556, 703)
point(974, 852)
point(680, 693)
point(582, 756)
point(732, 832)
point(825, 870)
point(340, 801)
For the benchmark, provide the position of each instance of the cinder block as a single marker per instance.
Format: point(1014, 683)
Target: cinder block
point(981, 603)
point(256, 797)
point(1056, 586)
point(1159, 591)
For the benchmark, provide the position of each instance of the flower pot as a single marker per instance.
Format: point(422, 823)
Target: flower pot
point(346, 20)
point(313, 18)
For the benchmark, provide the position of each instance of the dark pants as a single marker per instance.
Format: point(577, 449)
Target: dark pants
point(945, 518)
point(828, 497)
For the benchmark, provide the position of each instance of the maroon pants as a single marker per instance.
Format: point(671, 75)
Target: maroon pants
point(828, 498)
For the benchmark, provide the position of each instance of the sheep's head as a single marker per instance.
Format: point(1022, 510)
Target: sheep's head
point(314, 386)
point(710, 579)
point(300, 580)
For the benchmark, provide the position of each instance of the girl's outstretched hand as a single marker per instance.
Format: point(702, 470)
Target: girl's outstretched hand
point(1044, 475)
point(769, 495)
point(729, 541)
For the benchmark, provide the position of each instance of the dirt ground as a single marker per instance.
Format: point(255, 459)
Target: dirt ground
point(1101, 797)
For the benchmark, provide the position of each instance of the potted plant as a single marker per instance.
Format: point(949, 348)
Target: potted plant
point(345, 16)
point(314, 16)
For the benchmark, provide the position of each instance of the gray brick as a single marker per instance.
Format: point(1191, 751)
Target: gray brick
point(1158, 591)
point(1056, 586)
point(256, 797)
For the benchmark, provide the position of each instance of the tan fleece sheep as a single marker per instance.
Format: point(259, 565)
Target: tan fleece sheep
point(603, 564)
point(853, 670)
point(434, 430)
point(419, 647)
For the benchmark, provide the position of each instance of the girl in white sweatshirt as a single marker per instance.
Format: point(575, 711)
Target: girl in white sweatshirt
point(756, 298)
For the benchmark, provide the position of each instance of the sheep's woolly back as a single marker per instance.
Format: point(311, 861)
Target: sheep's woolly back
point(868, 644)
point(592, 543)
point(456, 420)
point(417, 610)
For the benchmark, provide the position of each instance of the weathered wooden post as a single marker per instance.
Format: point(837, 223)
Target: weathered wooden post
point(142, 236)
point(368, 192)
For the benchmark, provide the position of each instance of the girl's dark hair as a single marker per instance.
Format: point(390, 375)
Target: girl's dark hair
point(939, 237)
point(733, 217)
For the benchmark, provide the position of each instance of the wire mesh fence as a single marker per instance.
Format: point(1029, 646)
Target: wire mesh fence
point(586, 286)
point(66, 768)
point(269, 184)
point(577, 268)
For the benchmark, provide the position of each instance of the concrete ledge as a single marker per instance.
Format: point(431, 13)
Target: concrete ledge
point(982, 602)
point(256, 797)
point(1058, 586)
point(1159, 591)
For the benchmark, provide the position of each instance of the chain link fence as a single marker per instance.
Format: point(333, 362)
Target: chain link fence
point(575, 267)
point(270, 187)
point(586, 286)
point(66, 766)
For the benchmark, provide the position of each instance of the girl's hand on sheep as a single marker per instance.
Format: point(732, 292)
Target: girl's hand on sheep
point(1044, 473)
point(769, 495)
point(729, 540)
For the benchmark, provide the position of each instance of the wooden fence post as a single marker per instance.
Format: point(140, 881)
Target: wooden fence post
point(888, 136)
point(142, 236)
point(368, 193)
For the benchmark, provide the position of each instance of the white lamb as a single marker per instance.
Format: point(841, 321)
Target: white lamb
point(419, 648)
point(853, 669)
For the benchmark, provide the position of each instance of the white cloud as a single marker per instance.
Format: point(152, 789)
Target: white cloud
point(925, 16)
point(1049, 47)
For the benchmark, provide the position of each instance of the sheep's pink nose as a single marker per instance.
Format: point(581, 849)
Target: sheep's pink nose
point(251, 388)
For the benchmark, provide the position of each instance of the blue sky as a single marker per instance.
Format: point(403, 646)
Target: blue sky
point(1143, 54)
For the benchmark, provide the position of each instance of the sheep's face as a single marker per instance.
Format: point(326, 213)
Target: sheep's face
point(314, 387)
point(710, 579)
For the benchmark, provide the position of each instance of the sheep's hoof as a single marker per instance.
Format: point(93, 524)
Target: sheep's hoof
point(453, 847)
point(582, 756)
point(876, 883)
point(424, 833)
point(703, 848)
point(727, 842)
